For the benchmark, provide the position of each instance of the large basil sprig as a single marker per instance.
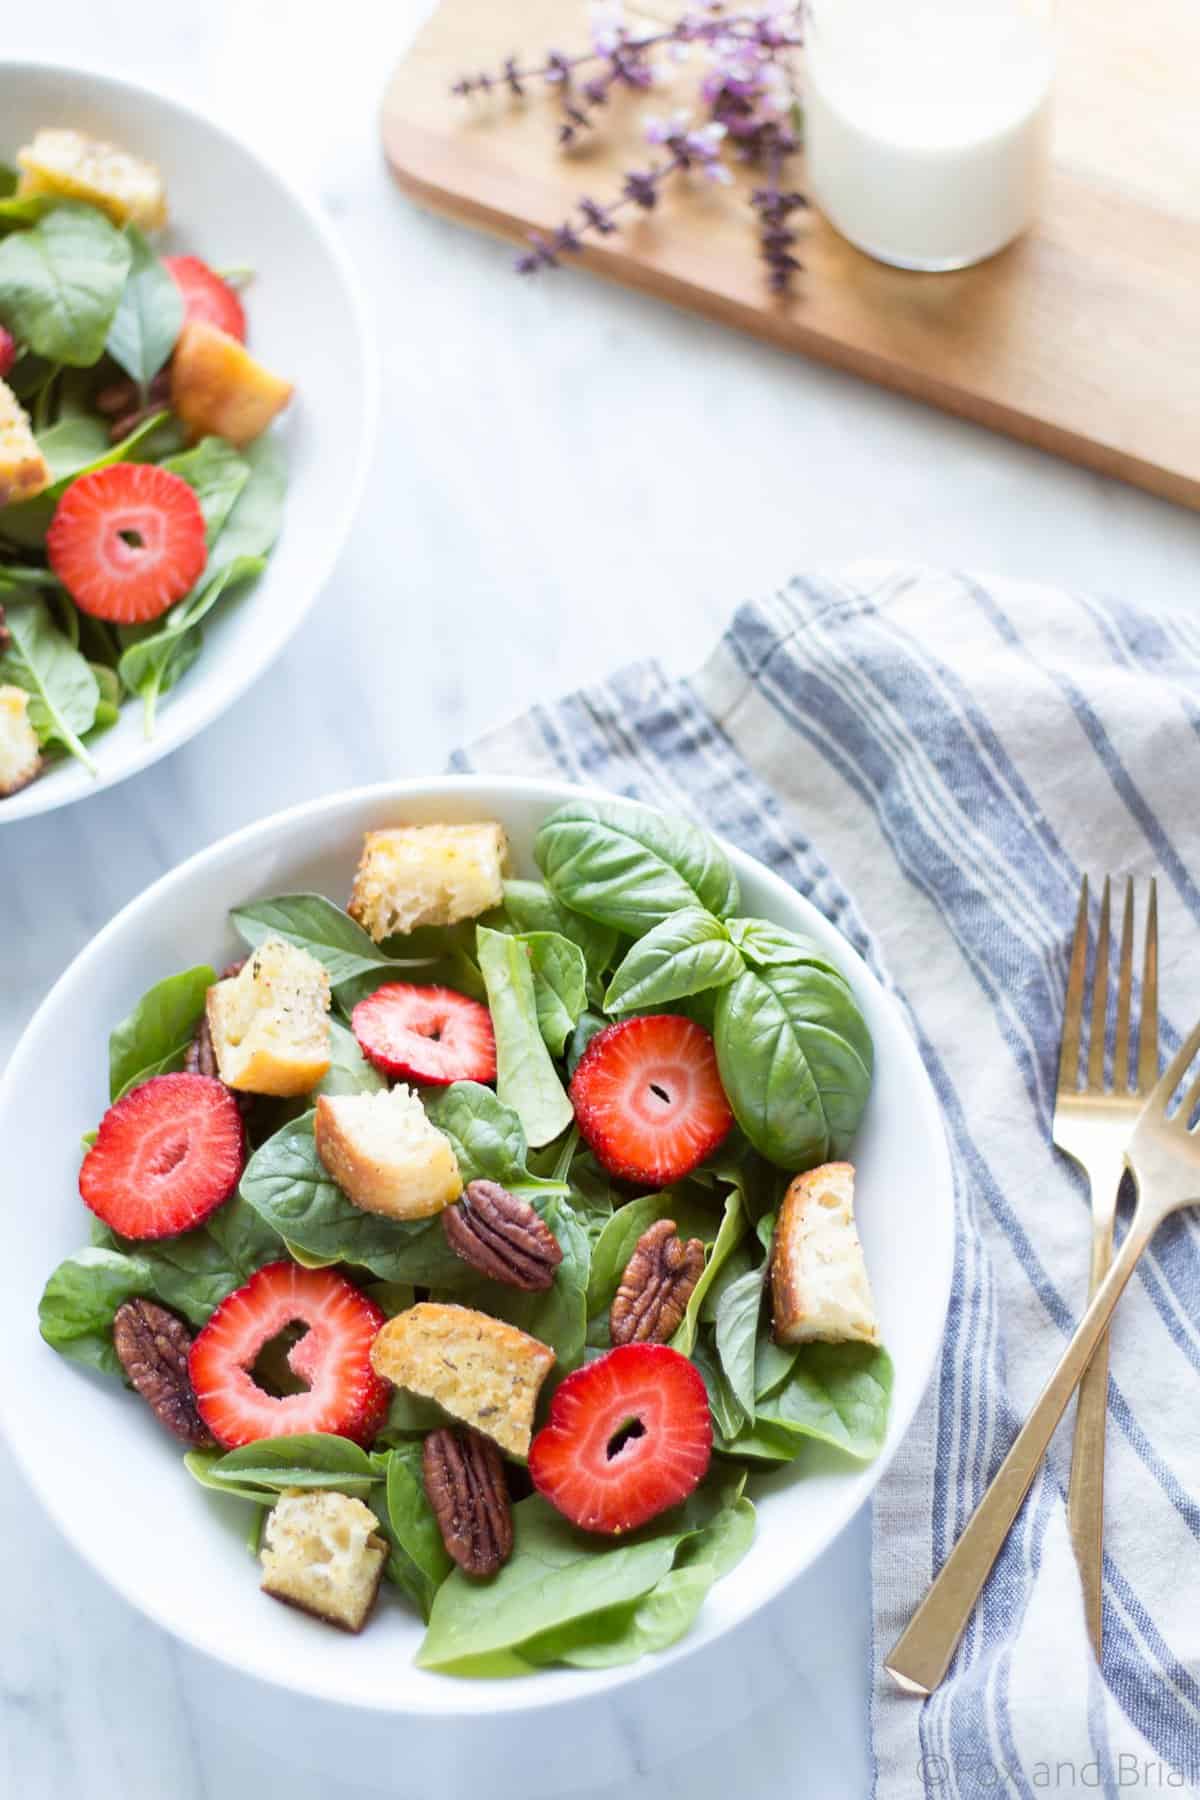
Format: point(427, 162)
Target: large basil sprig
point(627, 866)
point(795, 1058)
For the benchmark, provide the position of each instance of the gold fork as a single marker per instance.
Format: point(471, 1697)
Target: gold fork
point(1092, 1126)
point(1163, 1154)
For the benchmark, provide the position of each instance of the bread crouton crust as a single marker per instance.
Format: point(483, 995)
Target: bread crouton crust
point(797, 1309)
point(479, 1369)
point(414, 1182)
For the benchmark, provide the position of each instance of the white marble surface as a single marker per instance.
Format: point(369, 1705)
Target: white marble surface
point(568, 477)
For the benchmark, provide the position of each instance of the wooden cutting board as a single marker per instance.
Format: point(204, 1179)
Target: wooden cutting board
point(1083, 338)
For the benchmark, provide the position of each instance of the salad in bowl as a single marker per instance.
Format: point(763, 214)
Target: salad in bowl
point(484, 1244)
point(140, 484)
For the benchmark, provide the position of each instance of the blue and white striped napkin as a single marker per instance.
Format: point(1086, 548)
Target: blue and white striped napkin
point(961, 751)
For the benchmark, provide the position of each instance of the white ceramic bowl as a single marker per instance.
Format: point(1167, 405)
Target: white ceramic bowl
point(306, 319)
point(113, 1480)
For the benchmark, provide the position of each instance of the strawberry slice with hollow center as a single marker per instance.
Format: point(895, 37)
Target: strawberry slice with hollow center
point(165, 1157)
point(342, 1392)
point(648, 1098)
point(627, 1437)
point(127, 542)
point(430, 1035)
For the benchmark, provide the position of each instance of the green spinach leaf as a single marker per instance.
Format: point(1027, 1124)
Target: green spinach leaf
point(318, 926)
point(629, 867)
point(349, 1071)
point(526, 1078)
point(149, 315)
point(839, 1393)
point(63, 691)
point(155, 1036)
point(317, 1459)
point(80, 1299)
point(530, 906)
point(685, 954)
point(61, 283)
point(217, 474)
point(411, 1519)
point(736, 1335)
point(287, 1185)
point(559, 985)
point(488, 1138)
point(734, 1225)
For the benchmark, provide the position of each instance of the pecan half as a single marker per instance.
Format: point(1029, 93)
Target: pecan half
point(152, 1346)
point(466, 1487)
point(502, 1236)
point(657, 1284)
point(122, 403)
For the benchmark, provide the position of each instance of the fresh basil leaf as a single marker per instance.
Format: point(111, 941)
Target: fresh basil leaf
point(63, 692)
point(685, 954)
point(349, 1071)
point(526, 1078)
point(839, 1393)
point(61, 283)
point(149, 315)
point(317, 1459)
point(764, 945)
point(318, 926)
point(80, 1300)
point(630, 867)
point(559, 985)
point(530, 906)
point(155, 1036)
point(733, 1228)
point(287, 1185)
point(557, 1316)
point(487, 1138)
point(795, 1060)
point(736, 1333)
point(217, 474)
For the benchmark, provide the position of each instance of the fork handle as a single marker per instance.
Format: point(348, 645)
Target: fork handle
point(921, 1654)
point(1085, 1494)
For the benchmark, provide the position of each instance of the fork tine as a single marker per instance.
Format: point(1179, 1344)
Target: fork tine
point(1097, 1030)
point(1124, 994)
point(1176, 1070)
point(1148, 1024)
point(1068, 1055)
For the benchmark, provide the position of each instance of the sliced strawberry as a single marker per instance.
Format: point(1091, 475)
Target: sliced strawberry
point(127, 542)
point(206, 296)
point(165, 1156)
point(628, 1436)
point(430, 1035)
point(8, 352)
point(343, 1394)
point(649, 1100)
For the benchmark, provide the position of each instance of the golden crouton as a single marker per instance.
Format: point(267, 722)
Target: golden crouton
point(219, 390)
point(269, 1024)
point(322, 1552)
point(819, 1287)
point(20, 752)
point(74, 167)
point(385, 1155)
point(427, 875)
point(478, 1369)
point(24, 471)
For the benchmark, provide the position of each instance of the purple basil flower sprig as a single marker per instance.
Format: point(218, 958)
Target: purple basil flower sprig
point(747, 94)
